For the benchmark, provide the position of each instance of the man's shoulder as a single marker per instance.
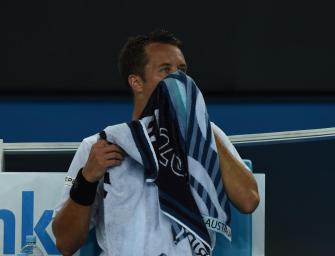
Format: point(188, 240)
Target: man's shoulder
point(219, 132)
point(215, 127)
point(90, 140)
point(212, 124)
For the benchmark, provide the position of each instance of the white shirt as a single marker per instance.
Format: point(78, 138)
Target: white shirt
point(139, 227)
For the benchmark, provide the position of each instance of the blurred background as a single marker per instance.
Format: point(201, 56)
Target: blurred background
point(232, 47)
point(264, 66)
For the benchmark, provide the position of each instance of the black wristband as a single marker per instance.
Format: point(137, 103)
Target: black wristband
point(82, 191)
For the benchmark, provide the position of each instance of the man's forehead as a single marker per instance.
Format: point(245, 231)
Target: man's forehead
point(157, 51)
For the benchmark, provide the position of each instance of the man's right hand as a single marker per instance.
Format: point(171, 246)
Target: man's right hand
point(71, 224)
point(103, 155)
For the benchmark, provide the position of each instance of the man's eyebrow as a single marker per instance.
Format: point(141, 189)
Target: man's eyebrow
point(182, 66)
point(165, 64)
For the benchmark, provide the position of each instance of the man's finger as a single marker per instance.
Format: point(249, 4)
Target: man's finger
point(101, 142)
point(113, 162)
point(113, 148)
point(114, 155)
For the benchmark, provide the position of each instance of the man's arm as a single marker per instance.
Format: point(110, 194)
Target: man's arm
point(239, 183)
point(71, 224)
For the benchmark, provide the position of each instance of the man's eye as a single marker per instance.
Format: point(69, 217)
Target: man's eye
point(165, 69)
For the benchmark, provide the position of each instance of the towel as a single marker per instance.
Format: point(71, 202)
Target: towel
point(175, 144)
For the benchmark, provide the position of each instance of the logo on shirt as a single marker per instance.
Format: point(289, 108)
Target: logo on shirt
point(69, 181)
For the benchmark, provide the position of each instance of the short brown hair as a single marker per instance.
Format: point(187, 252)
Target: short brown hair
point(132, 58)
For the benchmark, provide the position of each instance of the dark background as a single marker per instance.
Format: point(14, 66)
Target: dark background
point(232, 47)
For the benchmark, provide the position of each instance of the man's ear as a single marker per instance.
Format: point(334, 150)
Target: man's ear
point(136, 83)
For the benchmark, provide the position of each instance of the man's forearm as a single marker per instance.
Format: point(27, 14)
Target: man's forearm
point(71, 226)
point(239, 183)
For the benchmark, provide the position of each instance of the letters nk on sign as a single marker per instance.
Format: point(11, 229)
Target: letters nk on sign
point(27, 228)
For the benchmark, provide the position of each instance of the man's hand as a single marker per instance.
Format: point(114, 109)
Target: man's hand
point(102, 156)
point(71, 224)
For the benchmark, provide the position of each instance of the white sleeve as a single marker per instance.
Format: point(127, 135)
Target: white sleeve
point(79, 160)
point(224, 138)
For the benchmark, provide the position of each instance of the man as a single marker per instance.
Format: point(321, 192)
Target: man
point(144, 61)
